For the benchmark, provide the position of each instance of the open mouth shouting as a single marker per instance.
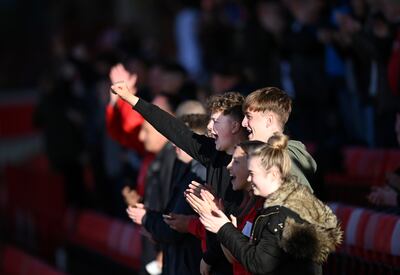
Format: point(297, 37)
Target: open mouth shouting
point(249, 133)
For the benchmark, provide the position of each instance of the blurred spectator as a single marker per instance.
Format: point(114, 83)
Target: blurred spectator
point(389, 195)
point(306, 59)
point(217, 36)
point(262, 43)
point(227, 76)
point(61, 114)
point(186, 27)
point(181, 252)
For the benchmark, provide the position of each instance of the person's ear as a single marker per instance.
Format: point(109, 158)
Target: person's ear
point(275, 173)
point(269, 118)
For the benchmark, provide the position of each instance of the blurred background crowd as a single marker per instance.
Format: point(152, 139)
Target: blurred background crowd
point(338, 59)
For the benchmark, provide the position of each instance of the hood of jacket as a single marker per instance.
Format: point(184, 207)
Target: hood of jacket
point(318, 235)
point(303, 164)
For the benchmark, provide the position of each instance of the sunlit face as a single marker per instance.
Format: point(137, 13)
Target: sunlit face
point(263, 182)
point(256, 125)
point(238, 170)
point(153, 141)
point(220, 127)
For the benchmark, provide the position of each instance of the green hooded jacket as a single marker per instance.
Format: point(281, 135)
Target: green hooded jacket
point(303, 164)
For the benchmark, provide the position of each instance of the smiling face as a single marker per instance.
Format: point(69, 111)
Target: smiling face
point(220, 127)
point(256, 124)
point(263, 182)
point(238, 170)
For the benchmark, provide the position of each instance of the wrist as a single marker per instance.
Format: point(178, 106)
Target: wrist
point(131, 99)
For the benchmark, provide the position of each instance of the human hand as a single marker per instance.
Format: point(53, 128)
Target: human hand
point(214, 221)
point(131, 197)
point(203, 201)
point(118, 73)
point(196, 187)
point(383, 196)
point(136, 213)
point(122, 90)
point(178, 222)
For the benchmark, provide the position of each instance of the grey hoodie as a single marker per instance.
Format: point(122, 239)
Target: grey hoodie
point(303, 164)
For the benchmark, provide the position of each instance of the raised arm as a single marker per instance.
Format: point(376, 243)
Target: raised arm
point(123, 125)
point(199, 147)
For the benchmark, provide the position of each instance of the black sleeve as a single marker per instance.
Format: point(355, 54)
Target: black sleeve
point(258, 258)
point(199, 147)
point(154, 223)
point(214, 253)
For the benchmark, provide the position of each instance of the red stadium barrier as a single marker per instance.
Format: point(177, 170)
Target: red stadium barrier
point(371, 235)
point(363, 168)
point(21, 123)
point(16, 262)
point(110, 237)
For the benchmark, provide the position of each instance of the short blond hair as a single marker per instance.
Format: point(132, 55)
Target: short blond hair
point(270, 99)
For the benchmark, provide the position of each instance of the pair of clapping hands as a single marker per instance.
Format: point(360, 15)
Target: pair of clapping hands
point(209, 208)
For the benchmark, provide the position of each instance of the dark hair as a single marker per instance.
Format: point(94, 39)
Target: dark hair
point(229, 103)
point(250, 146)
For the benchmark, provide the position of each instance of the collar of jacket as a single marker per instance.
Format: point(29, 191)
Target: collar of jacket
point(318, 235)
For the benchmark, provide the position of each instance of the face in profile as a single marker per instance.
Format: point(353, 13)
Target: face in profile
point(153, 141)
point(220, 127)
point(238, 170)
point(263, 182)
point(256, 125)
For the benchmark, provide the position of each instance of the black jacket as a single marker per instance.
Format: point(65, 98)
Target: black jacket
point(262, 253)
point(293, 234)
point(202, 149)
point(158, 179)
point(182, 252)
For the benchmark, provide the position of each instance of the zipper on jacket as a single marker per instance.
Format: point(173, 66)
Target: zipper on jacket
point(255, 223)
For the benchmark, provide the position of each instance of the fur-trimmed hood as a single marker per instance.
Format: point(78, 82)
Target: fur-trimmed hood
point(319, 235)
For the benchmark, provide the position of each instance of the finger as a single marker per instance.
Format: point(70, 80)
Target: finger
point(173, 216)
point(198, 200)
point(193, 189)
point(168, 221)
point(206, 196)
point(193, 203)
point(196, 185)
point(139, 205)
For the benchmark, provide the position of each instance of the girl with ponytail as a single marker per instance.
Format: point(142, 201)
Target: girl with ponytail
point(293, 233)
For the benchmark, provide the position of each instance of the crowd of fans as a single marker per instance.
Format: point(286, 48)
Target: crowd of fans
point(339, 61)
